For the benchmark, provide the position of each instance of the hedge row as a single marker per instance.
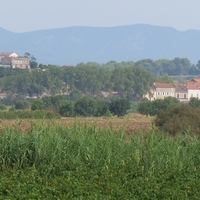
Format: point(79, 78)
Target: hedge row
point(27, 114)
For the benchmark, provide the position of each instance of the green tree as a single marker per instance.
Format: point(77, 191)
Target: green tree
point(33, 61)
point(22, 105)
point(67, 109)
point(74, 95)
point(87, 107)
point(147, 64)
point(194, 102)
point(2, 107)
point(119, 107)
point(143, 81)
point(123, 80)
point(163, 104)
point(153, 108)
point(179, 119)
point(145, 107)
point(37, 104)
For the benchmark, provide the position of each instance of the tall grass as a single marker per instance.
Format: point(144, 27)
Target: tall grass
point(80, 162)
point(90, 147)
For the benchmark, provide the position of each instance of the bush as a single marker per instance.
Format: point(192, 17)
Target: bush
point(119, 107)
point(67, 109)
point(37, 104)
point(179, 119)
point(75, 95)
point(145, 107)
point(88, 107)
point(8, 115)
point(22, 105)
point(2, 106)
point(153, 108)
point(194, 102)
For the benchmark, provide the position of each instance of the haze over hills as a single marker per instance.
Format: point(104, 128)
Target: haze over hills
point(70, 46)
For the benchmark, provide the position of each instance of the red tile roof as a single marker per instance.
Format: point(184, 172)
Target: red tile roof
point(196, 79)
point(181, 89)
point(194, 84)
point(191, 86)
point(5, 53)
point(164, 85)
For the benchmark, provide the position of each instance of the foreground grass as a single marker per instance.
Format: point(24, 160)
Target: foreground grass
point(56, 162)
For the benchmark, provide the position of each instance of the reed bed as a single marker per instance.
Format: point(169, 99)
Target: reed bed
point(85, 162)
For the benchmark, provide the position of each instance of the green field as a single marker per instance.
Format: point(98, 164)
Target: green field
point(52, 161)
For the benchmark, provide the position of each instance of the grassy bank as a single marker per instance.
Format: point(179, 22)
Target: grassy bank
point(56, 162)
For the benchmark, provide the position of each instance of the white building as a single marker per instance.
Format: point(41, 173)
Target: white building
point(193, 88)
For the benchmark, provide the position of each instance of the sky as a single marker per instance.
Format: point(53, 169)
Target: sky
point(30, 15)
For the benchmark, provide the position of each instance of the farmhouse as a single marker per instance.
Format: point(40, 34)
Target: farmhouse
point(8, 54)
point(161, 90)
point(13, 60)
point(182, 92)
point(193, 88)
point(3, 95)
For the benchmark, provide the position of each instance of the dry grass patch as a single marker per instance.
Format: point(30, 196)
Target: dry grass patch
point(130, 123)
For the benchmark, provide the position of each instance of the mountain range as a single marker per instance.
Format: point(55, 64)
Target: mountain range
point(72, 45)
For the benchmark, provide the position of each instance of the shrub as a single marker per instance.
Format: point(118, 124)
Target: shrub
point(22, 104)
point(145, 107)
point(8, 115)
point(153, 108)
point(75, 95)
point(119, 107)
point(67, 109)
point(194, 102)
point(179, 119)
point(37, 104)
point(87, 107)
point(2, 106)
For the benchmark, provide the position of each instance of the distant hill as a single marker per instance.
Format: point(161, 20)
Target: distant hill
point(70, 46)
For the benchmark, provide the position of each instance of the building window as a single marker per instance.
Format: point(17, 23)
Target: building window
point(177, 96)
point(197, 95)
point(191, 95)
point(185, 96)
point(158, 93)
point(163, 93)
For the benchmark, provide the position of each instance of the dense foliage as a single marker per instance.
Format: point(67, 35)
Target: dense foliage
point(88, 107)
point(53, 162)
point(22, 104)
point(128, 79)
point(177, 66)
point(194, 102)
point(153, 108)
point(88, 80)
point(85, 106)
point(179, 119)
point(119, 107)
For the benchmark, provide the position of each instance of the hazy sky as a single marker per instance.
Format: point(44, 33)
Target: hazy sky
point(29, 15)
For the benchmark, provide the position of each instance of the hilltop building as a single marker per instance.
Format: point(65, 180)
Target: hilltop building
point(13, 60)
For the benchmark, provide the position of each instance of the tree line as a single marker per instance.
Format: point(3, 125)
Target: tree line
point(85, 106)
point(175, 67)
point(127, 79)
point(129, 82)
